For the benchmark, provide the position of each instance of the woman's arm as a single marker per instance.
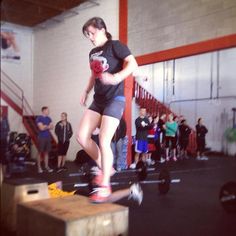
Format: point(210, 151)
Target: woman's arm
point(130, 66)
point(87, 90)
point(70, 131)
point(90, 83)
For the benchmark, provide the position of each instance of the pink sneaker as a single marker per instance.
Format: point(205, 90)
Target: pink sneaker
point(99, 175)
point(100, 194)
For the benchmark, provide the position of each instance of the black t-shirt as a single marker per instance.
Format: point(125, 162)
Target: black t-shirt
point(110, 56)
point(201, 131)
point(184, 131)
point(142, 132)
point(161, 124)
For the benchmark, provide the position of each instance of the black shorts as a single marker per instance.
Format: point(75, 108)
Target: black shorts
point(183, 143)
point(114, 108)
point(170, 141)
point(62, 148)
point(201, 144)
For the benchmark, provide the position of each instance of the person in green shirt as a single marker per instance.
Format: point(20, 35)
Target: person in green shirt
point(171, 128)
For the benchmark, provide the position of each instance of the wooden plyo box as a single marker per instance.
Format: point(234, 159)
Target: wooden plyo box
point(19, 190)
point(71, 216)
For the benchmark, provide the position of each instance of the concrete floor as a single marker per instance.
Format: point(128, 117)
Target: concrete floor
point(191, 207)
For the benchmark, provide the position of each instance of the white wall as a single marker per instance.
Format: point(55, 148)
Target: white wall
point(54, 61)
point(156, 25)
point(204, 86)
point(22, 72)
point(61, 68)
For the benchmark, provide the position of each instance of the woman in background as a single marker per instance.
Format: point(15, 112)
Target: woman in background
point(64, 132)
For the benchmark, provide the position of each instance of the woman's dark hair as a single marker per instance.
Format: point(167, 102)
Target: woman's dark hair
point(175, 117)
point(97, 23)
point(199, 119)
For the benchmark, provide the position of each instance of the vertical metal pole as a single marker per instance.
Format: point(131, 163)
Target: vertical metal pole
point(211, 79)
point(173, 79)
point(234, 117)
point(164, 82)
point(218, 75)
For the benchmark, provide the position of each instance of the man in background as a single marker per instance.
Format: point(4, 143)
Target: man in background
point(44, 124)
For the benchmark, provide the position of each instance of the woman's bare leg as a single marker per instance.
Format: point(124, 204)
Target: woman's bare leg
point(134, 192)
point(89, 122)
point(118, 195)
point(107, 130)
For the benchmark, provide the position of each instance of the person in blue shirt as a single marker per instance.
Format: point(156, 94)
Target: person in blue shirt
point(44, 124)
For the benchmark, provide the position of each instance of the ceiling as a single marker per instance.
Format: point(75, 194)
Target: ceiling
point(34, 12)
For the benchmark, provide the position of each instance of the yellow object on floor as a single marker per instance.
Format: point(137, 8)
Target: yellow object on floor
point(55, 190)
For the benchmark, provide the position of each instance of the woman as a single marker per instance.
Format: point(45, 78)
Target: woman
point(170, 137)
point(107, 79)
point(151, 139)
point(64, 132)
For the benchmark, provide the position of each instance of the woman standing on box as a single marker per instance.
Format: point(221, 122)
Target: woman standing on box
point(107, 79)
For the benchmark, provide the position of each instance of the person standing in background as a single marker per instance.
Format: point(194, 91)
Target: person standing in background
point(142, 125)
point(201, 132)
point(117, 145)
point(160, 138)
point(64, 132)
point(151, 139)
point(184, 132)
point(44, 124)
point(170, 137)
point(5, 129)
point(161, 125)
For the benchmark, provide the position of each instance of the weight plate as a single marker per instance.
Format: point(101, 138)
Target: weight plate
point(164, 185)
point(227, 197)
point(141, 171)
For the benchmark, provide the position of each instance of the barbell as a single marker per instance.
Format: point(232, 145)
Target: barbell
point(141, 171)
point(163, 182)
point(227, 196)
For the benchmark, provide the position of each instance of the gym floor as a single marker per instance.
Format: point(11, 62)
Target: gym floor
point(191, 207)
